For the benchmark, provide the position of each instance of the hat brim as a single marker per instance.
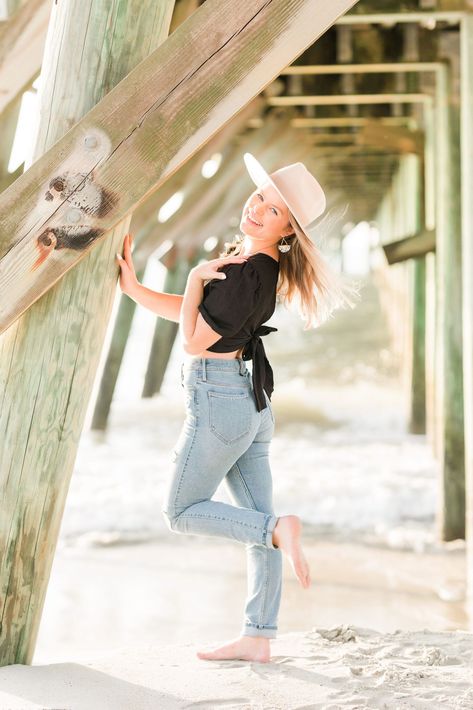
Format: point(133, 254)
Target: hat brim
point(259, 176)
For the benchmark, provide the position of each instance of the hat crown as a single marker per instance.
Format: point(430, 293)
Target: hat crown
point(297, 186)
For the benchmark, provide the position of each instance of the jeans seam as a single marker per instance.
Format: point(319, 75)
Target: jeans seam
point(245, 487)
point(265, 592)
point(215, 517)
point(184, 467)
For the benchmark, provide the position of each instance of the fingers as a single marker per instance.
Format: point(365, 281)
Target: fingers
point(127, 242)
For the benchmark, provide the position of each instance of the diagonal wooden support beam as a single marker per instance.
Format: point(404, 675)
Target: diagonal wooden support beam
point(141, 132)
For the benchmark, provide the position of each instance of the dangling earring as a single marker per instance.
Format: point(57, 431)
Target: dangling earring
point(284, 247)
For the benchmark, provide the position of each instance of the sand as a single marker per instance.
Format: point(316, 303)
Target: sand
point(341, 667)
point(356, 639)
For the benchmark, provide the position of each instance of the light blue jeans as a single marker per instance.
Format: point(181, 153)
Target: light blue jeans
point(225, 437)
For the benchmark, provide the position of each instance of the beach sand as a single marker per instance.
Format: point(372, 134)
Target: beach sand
point(127, 638)
point(345, 666)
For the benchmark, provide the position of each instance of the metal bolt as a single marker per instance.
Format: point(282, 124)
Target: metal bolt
point(74, 215)
point(90, 142)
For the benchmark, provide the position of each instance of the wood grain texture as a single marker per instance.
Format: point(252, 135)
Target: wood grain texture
point(49, 357)
point(22, 41)
point(154, 120)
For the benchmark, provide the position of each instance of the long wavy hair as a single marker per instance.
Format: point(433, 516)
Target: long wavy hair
point(306, 277)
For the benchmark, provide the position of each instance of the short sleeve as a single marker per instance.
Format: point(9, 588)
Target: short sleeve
point(229, 302)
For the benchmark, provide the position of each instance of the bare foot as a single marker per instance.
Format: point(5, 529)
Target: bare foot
point(244, 648)
point(287, 536)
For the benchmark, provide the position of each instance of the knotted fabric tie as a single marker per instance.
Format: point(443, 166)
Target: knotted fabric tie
point(262, 370)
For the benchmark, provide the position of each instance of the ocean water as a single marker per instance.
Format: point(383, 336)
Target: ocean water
point(342, 458)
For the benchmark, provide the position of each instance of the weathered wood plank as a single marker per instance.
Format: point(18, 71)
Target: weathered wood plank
point(466, 127)
point(449, 381)
point(191, 170)
point(22, 40)
point(141, 132)
point(49, 357)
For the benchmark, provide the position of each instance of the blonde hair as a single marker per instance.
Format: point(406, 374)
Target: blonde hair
point(305, 276)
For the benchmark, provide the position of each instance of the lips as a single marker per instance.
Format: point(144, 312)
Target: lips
point(250, 219)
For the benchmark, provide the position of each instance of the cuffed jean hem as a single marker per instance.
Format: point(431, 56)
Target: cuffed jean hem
point(269, 632)
point(269, 525)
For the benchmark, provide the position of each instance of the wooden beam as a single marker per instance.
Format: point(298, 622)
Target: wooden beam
point(344, 121)
point(409, 247)
point(428, 18)
point(9, 7)
point(347, 99)
point(466, 128)
point(220, 143)
point(48, 359)
point(22, 41)
point(372, 68)
point(135, 138)
point(449, 382)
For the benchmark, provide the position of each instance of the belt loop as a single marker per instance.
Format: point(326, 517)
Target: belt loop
point(242, 366)
point(204, 374)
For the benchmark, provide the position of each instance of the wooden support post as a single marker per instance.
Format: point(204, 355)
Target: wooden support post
point(22, 40)
point(50, 356)
point(113, 361)
point(8, 124)
point(415, 200)
point(430, 169)
point(466, 105)
point(166, 331)
point(449, 383)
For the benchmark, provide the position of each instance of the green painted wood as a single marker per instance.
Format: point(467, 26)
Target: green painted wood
point(113, 361)
point(417, 413)
point(141, 132)
point(466, 127)
point(409, 247)
point(166, 331)
point(48, 358)
point(449, 395)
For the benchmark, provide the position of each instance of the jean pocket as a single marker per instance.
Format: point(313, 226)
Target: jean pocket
point(229, 415)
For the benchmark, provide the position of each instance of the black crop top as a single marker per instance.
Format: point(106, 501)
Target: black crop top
point(236, 307)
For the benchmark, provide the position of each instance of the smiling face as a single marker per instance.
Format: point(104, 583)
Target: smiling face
point(265, 217)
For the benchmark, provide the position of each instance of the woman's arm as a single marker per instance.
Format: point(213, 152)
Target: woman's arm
point(166, 305)
point(196, 333)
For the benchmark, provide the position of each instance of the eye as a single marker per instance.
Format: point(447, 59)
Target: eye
point(274, 210)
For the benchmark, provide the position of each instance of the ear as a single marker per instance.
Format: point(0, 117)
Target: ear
point(289, 231)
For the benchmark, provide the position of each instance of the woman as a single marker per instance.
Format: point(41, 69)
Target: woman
point(229, 419)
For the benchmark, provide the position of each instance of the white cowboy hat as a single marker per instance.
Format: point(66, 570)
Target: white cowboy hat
point(297, 186)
